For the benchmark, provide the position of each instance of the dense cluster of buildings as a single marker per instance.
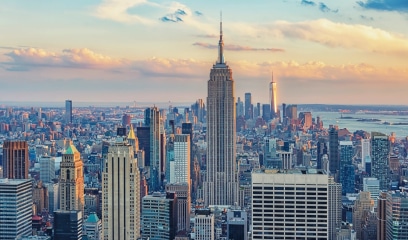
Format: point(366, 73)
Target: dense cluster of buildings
point(224, 169)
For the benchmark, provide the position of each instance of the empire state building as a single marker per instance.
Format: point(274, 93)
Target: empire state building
point(221, 185)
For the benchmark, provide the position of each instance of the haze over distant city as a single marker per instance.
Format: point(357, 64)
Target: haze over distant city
point(346, 52)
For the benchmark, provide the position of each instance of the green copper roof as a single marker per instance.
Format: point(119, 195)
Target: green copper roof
point(71, 149)
point(92, 218)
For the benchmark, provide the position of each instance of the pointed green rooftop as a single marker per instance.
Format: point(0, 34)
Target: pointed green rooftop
point(71, 149)
point(93, 218)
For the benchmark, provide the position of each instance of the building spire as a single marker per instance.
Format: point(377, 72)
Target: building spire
point(221, 45)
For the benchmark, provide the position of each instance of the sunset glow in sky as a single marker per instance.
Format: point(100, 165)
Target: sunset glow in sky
point(345, 52)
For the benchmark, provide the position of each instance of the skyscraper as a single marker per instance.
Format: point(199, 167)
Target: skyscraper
point(71, 180)
point(321, 150)
point(121, 194)
point(155, 150)
point(346, 173)
point(362, 206)
point(397, 215)
point(334, 164)
point(221, 186)
point(68, 111)
point(15, 160)
point(295, 204)
point(365, 152)
point(68, 225)
point(249, 108)
point(379, 158)
point(47, 169)
point(272, 97)
point(15, 207)
point(159, 216)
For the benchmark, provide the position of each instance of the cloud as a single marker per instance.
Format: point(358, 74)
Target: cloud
point(207, 36)
point(339, 35)
point(232, 47)
point(198, 13)
point(25, 59)
point(366, 18)
point(324, 8)
point(118, 10)
point(385, 5)
point(308, 3)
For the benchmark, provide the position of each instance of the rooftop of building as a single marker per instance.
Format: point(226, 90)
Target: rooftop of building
point(13, 181)
point(92, 218)
point(292, 171)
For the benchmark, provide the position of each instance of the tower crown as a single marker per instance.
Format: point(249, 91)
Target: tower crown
point(221, 47)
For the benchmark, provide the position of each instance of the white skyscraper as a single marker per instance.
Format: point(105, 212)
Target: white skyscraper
point(204, 222)
point(182, 158)
point(221, 185)
point(365, 152)
point(272, 97)
point(295, 204)
point(15, 208)
point(121, 193)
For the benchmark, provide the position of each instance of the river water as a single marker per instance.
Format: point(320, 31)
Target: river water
point(334, 118)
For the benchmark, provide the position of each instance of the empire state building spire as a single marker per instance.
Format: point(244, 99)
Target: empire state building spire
point(221, 46)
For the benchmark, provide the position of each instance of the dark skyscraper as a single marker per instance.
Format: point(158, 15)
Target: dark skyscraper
point(379, 158)
point(15, 160)
point(221, 186)
point(143, 134)
point(321, 150)
point(249, 108)
point(67, 225)
point(68, 111)
point(334, 163)
point(266, 112)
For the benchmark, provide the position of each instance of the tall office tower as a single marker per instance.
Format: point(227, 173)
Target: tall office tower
point(365, 152)
point(182, 158)
point(257, 112)
point(295, 204)
point(15, 208)
point(126, 120)
point(147, 115)
point(68, 111)
point(198, 109)
point(40, 197)
point(143, 134)
point(397, 215)
point(47, 169)
point(159, 216)
point(321, 150)
point(266, 112)
point(291, 112)
point(221, 186)
point(249, 108)
point(170, 172)
point(382, 216)
point(15, 159)
point(346, 173)
point(182, 191)
point(379, 158)
point(155, 150)
point(272, 98)
point(93, 227)
point(204, 223)
point(68, 225)
point(284, 113)
point(53, 196)
point(372, 185)
point(240, 108)
point(71, 180)
point(237, 224)
point(306, 120)
point(334, 164)
point(121, 193)
point(362, 207)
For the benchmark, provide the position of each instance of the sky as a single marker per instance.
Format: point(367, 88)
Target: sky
point(327, 52)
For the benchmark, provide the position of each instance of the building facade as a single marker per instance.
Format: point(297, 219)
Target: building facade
point(295, 204)
point(379, 158)
point(71, 181)
point(221, 185)
point(121, 193)
point(15, 159)
point(15, 208)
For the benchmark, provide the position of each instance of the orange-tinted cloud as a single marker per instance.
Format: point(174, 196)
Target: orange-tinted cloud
point(233, 47)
